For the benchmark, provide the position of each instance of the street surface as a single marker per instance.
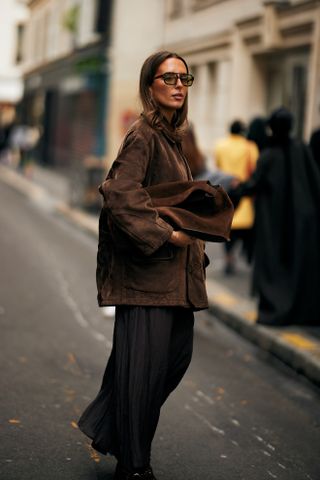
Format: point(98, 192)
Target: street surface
point(237, 415)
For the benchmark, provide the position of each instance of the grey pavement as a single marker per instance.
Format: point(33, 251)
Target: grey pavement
point(238, 414)
point(229, 296)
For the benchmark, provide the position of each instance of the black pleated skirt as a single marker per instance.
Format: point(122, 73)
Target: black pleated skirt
point(152, 348)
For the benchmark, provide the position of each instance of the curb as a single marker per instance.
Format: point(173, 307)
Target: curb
point(292, 345)
point(87, 222)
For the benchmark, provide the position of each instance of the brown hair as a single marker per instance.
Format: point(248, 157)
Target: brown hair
point(151, 110)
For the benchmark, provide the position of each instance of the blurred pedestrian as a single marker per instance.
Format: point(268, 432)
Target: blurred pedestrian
point(23, 139)
point(286, 184)
point(257, 132)
point(151, 272)
point(315, 146)
point(198, 164)
point(237, 156)
point(5, 132)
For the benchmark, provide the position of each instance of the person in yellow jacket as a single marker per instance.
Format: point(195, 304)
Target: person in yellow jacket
point(237, 156)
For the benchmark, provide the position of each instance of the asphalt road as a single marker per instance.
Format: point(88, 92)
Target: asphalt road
point(238, 414)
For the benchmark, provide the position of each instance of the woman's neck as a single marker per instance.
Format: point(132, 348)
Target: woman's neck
point(167, 114)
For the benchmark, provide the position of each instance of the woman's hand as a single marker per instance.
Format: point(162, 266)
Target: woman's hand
point(181, 239)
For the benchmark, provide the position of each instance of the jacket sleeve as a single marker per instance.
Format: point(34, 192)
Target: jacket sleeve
point(128, 203)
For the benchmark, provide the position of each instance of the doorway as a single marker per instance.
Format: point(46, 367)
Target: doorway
point(286, 78)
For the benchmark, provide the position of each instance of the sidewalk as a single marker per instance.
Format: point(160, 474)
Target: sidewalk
point(229, 297)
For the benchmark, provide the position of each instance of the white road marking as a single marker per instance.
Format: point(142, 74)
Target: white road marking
point(70, 301)
point(205, 397)
point(272, 474)
point(101, 338)
point(77, 314)
point(268, 445)
point(204, 420)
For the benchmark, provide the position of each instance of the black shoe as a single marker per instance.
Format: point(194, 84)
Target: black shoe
point(122, 474)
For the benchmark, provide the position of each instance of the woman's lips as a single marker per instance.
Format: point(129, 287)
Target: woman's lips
point(178, 96)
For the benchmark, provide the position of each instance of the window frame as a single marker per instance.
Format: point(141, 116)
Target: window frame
point(202, 4)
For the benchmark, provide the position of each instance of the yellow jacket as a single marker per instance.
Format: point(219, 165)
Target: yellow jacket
point(238, 156)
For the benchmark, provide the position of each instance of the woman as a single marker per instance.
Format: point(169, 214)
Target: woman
point(152, 273)
point(287, 257)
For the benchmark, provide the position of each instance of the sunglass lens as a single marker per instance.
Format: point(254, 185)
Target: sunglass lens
point(186, 80)
point(170, 79)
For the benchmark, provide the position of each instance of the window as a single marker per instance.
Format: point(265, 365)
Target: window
point(20, 38)
point(103, 16)
point(199, 4)
point(193, 93)
point(212, 92)
point(298, 99)
point(176, 8)
point(45, 28)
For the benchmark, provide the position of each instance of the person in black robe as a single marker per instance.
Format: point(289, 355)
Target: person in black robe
point(286, 185)
point(315, 146)
point(257, 133)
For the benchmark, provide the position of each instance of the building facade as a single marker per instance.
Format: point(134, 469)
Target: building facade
point(14, 14)
point(248, 57)
point(137, 31)
point(66, 79)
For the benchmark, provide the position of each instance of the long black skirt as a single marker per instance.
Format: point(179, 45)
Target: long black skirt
point(152, 349)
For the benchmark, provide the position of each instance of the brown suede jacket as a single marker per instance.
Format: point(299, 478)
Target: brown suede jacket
point(136, 265)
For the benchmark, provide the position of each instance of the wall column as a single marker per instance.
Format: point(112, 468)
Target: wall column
point(222, 99)
point(127, 54)
point(313, 101)
point(240, 79)
point(201, 103)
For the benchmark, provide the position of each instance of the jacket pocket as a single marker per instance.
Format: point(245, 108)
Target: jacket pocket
point(199, 261)
point(157, 273)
